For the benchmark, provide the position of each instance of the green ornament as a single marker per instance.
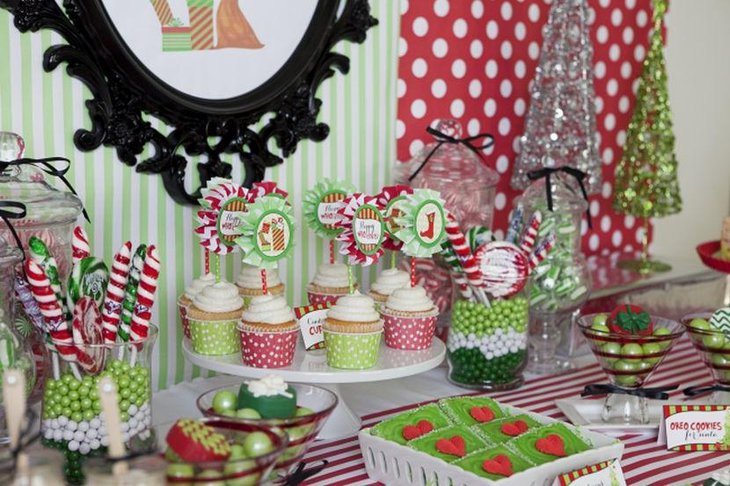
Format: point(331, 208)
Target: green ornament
point(321, 204)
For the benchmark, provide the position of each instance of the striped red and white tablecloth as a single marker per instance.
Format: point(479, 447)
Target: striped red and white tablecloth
point(643, 462)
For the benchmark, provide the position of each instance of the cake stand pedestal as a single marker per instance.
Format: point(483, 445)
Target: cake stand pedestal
point(311, 367)
point(708, 253)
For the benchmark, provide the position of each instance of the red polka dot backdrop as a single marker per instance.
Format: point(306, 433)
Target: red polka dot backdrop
point(473, 60)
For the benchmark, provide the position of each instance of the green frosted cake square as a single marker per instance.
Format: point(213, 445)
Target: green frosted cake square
point(394, 428)
point(435, 443)
point(471, 410)
point(548, 443)
point(494, 463)
point(505, 429)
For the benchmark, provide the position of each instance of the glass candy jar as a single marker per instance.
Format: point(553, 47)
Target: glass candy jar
point(560, 284)
point(487, 342)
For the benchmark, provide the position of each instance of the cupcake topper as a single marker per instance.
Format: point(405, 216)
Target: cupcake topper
point(363, 229)
point(390, 199)
point(321, 205)
point(265, 188)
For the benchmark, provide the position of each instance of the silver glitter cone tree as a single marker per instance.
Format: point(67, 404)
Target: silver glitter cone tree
point(560, 128)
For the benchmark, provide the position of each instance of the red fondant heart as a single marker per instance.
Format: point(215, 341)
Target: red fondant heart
point(454, 446)
point(481, 414)
point(552, 444)
point(499, 464)
point(411, 432)
point(513, 429)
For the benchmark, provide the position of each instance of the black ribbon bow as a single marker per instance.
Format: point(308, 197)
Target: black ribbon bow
point(699, 390)
point(46, 166)
point(546, 172)
point(658, 393)
point(442, 138)
point(13, 210)
point(300, 474)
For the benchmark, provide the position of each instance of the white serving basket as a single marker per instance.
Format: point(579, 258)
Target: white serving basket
point(397, 465)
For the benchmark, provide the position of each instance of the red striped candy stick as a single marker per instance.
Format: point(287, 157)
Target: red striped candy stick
point(140, 325)
point(86, 330)
point(542, 250)
point(112, 307)
point(80, 245)
point(463, 252)
point(527, 243)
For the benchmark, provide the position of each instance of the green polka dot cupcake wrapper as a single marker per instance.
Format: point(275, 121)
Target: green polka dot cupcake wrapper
point(215, 338)
point(352, 351)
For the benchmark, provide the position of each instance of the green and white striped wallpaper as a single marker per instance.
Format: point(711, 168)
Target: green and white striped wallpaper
point(46, 108)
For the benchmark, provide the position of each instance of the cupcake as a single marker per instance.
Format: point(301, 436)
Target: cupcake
point(352, 332)
point(268, 332)
point(329, 283)
point(213, 319)
point(249, 283)
point(387, 282)
point(409, 318)
point(186, 298)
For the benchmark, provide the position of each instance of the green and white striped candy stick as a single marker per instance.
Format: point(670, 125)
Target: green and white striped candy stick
point(89, 278)
point(130, 292)
point(41, 255)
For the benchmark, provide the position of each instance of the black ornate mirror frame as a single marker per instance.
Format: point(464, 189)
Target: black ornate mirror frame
point(123, 89)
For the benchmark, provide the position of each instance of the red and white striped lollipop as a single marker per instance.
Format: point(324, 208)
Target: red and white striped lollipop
point(142, 314)
point(86, 329)
point(527, 243)
point(112, 307)
point(80, 245)
point(463, 251)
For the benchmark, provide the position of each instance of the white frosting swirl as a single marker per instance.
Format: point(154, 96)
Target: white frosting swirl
point(250, 277)
point(389, 280)
point(268, 309)
point(410, 299)
point(199, 284)
point(331, 275)
point(354, 308)
point(268, 386)
point(218, 297)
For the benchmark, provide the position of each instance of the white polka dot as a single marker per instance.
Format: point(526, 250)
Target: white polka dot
point(626, 70)
point(591, 15)
point(520, 31)
point(606, 190)
point(616, 17)
point(639, 53)
point(602, 34)
point(490, 107)
point(593, 242)
point(519, 107)
point(616, 238)
point(502, 164)
point(438, 88)
point(628, 35)
point(492, 29)
point(635, 85)
point(610, 122)
point(472, 128)
point(500, 201)
point(419, 68)
point(476, 49)
point(600, 69)
point(612, 87)
point(605, 3)
point(623, 104)
point(641, 18)
point(506, 49)
point(440, 47)
point(491, 68)
point(599, 104)
point(420, 26)
point(605, 223)
point(458, 68)
point(533, 13)
point(594, 208)
point(506, 10)
point(400, 128)
point(520, 69)
point(630, 4)
point(441, 8)
point(621, 137)
point(504, 126)
point(401, 88)
point(533, 50)
point(460, 28)
point(475, 88)
point(608, 155)
point(415, 147)
point(418, 108)
point(403, 6)
point(402, 47)
point(639, 235)
point(629, 221)
point(477, 9)
point(614, 52)
point(505, 88)
point(457, 108)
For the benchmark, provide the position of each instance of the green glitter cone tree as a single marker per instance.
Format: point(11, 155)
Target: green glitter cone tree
point(646, 177)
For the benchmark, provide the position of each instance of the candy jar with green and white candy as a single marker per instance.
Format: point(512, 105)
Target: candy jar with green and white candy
point(554, 204)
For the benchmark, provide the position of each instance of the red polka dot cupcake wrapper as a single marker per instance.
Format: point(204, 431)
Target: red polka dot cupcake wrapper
point(268, 349)
point(409, 332)
point(184, 322)
point(324, 299)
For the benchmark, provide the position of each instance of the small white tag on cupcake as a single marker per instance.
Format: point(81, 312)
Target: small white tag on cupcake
point(311, 319)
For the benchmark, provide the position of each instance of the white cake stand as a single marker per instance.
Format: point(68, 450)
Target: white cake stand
point(311, 367)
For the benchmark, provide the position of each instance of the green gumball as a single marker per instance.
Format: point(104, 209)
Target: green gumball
point(257, 444)
point(714, 341)
point(224, 401)
point(660, 332)
point(212, 475)
point(600, 329)
point(600, 320)
point(303, 411)
point(180, 471)
point(613, 349)
point(632, 350)
point(649, 349)
point(719, 360)
point(627, 380)
point(237, 452)
point(700, 324)
point(241, 467)
point(248, 413)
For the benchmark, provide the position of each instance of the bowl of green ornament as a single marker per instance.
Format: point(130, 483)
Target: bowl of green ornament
point(710, 336)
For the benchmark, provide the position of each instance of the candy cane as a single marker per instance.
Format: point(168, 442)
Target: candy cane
point(80, 245)
point(542, 250)
point(112, 307)
point(466, 258)
point(458, 274)
point(52, 310)
point(527, 243)
point(86, 330)
point(145, 299)
point(130, 292)
point(40, 254)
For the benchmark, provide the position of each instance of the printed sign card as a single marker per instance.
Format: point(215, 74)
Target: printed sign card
point(695, 427)
point(607, 473)
point(311, 318)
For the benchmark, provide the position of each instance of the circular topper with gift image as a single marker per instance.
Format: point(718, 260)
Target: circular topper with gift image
point(504, 268)
point(422, 223)
point(322, 204)
point(224, 205)
point(268, 232)
point(368, 229)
